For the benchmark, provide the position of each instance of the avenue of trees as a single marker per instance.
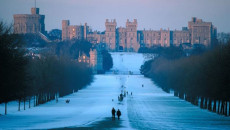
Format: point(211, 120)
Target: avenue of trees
point(28, 78)
point(202, 79)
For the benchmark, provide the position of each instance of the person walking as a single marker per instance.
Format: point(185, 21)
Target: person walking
point(118, 114)
point(113, 113)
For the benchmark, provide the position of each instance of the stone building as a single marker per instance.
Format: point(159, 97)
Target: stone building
point(29, 23)
point(157, 38)
point(83, 58)
point(130, 39)
point(110, 34)
point(96, 60)
point(202, 32)
point(223, 38)
point(131, 36)
point(181, 36)
point(74, 31)
point(96, 37)
point(121, 38)
point(197, 32)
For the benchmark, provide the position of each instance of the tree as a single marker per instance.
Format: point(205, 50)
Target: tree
point(107, 60)
point(12, 67)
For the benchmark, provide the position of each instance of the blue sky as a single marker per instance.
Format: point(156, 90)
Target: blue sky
point(154, 14)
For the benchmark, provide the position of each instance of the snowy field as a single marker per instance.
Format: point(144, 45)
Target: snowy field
point(147, 108)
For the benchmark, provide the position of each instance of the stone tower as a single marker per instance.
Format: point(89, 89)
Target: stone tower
point(110, 34)
point(29, 23)
point(201, 32)
point(65, 31)
point(131, 36)
point(86, 30)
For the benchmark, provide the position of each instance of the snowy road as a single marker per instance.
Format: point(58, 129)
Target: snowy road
point(147, 108)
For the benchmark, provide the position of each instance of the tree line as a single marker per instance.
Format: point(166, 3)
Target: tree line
point(203, 80)
point(42, 79)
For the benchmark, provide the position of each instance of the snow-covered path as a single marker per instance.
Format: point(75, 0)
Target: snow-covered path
point(147, 108)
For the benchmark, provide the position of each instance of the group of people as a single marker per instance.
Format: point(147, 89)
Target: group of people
point(114, 113)
point(67, 101)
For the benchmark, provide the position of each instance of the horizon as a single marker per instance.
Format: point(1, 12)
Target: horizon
point(173, 14)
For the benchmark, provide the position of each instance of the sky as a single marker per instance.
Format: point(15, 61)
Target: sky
point(150, 14)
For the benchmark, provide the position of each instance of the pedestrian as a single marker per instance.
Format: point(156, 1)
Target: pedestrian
point(113, 113)
point(131, 93)
point(118, 114)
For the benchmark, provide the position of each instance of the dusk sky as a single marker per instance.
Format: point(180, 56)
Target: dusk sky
point(154, 14)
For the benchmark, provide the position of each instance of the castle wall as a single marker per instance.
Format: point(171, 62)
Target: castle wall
point(129, 39)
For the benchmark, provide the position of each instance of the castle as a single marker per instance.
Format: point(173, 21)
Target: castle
point(121, 38)
point(130, 39)
point(29, 23)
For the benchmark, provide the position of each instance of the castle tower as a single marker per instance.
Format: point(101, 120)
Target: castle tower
point(131, 36)
point(29, 23)
point(110, 34)
point(201, 32)
point(86, 30)
point(65, 33)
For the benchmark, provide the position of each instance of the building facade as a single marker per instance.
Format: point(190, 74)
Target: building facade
point(96, 37)
point(202, 32)
point(29, 23)
point(96, 61)
point(128, 38)
point(74, 31)
point(121, 38)
point(110, 34)
point(223, 38)
point(181, 36)
point(197, 32)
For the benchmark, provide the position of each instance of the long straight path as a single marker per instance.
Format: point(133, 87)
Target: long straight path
point(147, 108)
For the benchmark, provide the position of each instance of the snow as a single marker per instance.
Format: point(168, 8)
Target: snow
point(147, 108)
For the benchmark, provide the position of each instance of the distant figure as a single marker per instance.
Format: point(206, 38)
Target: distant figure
point(112, 100)
point(127, 93)
point(131, 93)
point(67, 101)
point(118, 114)
point(142, 85)
point(113, 113)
